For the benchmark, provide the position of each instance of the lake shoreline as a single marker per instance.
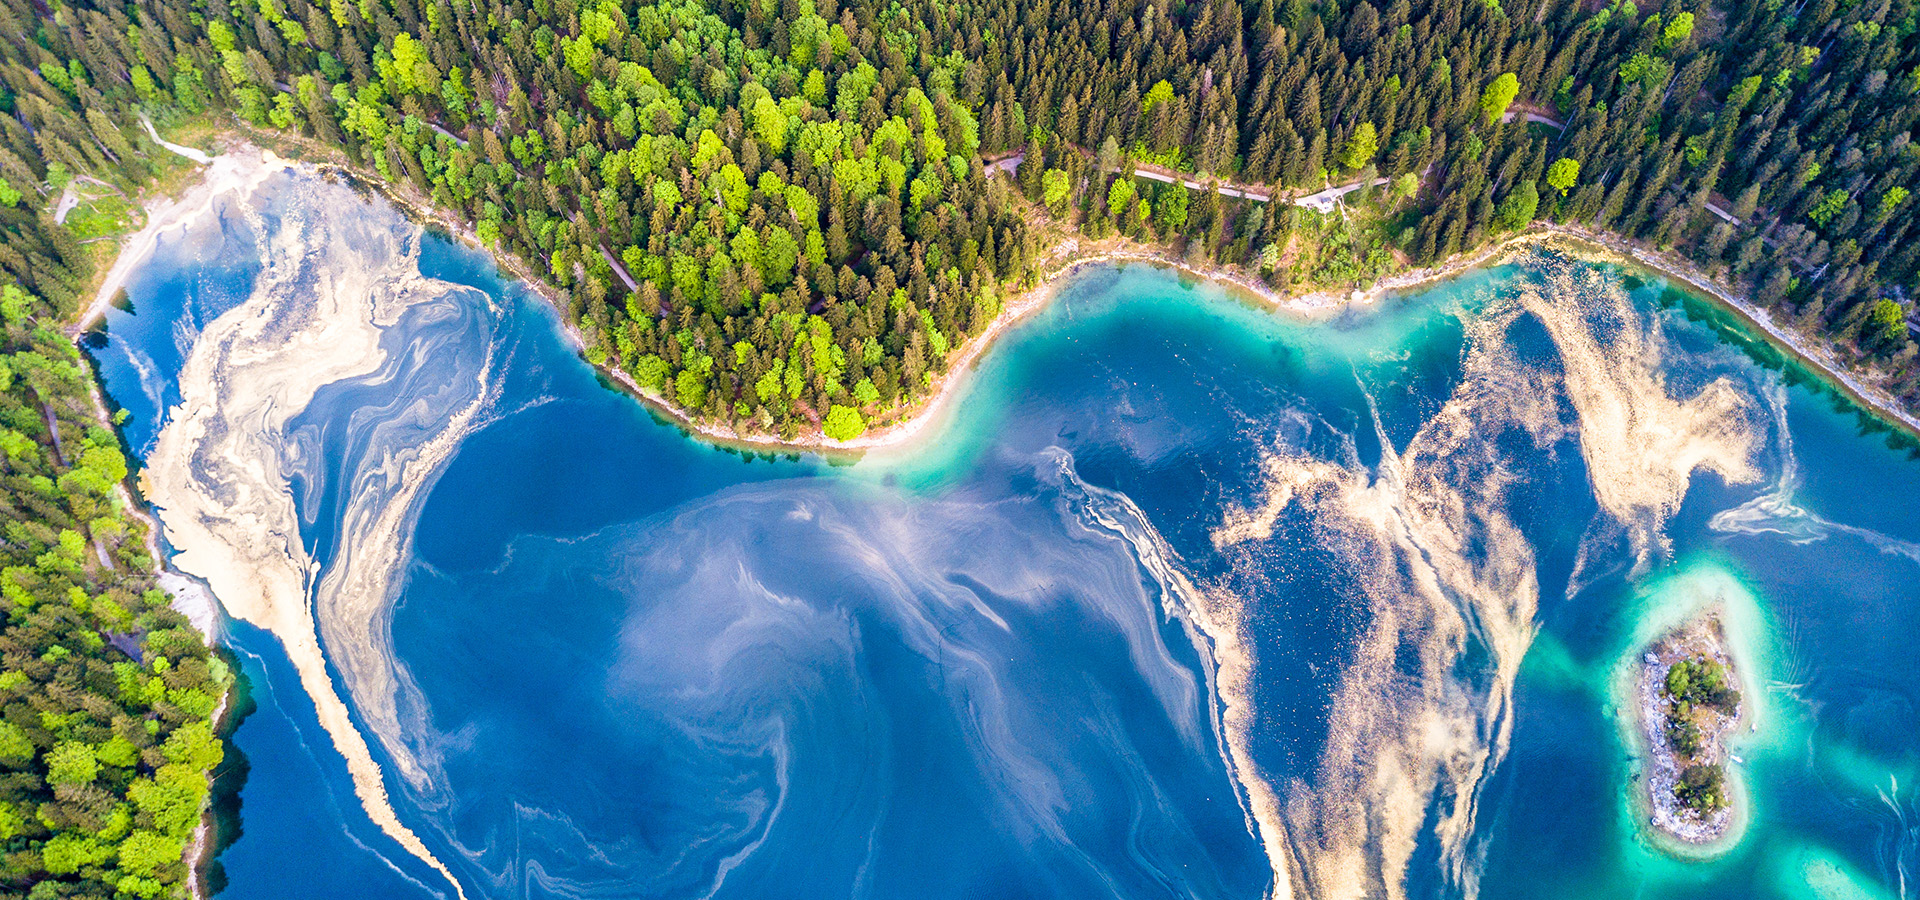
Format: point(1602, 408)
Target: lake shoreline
point(239, 169)
point(1064, 261)
point(1820, 361)
point(1067, 260)
point(1580, 242)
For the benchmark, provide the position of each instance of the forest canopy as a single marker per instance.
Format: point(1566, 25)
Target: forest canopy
point(107, 694)
point(767, 209)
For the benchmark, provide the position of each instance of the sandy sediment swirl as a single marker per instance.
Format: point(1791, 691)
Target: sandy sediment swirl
point(322, 313)
point(1447, 576)
point(229, 175)
point(1641, 443)
point(1221, 638)
point(1778, 511)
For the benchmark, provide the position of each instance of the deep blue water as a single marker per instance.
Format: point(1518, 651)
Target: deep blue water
point(637, 665)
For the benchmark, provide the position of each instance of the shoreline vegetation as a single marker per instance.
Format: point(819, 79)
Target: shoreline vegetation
point(143, 688)
point(1688, 713)
point(1069, 255)
point(1832, 372)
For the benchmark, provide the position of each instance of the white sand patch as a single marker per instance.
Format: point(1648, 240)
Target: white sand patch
point(192, 600)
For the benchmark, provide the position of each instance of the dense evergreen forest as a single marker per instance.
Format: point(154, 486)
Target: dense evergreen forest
point(784, 214)
point(106, 693)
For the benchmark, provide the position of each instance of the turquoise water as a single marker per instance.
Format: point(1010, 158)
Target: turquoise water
point(1178, 593)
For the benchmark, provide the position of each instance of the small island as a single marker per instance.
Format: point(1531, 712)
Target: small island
point(1689, 710)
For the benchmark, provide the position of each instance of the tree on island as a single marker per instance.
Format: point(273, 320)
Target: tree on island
point(1684, 737)
point(1702, 788)
point(1702, 682)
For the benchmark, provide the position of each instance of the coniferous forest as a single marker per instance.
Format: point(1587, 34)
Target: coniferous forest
point(785, 214)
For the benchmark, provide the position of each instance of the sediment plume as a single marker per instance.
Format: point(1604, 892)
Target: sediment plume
point(1641, 444)
point(1214, 623)
point(228, 176)
point(1427, 538)
point(323, 314)
point(1778, 511)
point(783, 712)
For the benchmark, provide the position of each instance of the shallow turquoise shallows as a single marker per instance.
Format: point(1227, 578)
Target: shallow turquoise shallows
point(1176, 594)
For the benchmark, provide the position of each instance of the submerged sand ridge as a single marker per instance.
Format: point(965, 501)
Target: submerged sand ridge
point(323, 312)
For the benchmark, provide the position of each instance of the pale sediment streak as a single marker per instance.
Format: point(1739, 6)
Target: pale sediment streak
point(1215, 625)
point(1778, 511)
point(764, 677)
point(1444, 571)
point(1641, 445)
point(221, 471)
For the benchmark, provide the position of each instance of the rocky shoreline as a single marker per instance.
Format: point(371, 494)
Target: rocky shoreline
point(1698, 646)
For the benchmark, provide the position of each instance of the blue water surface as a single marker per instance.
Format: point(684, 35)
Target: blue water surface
point(968, 666)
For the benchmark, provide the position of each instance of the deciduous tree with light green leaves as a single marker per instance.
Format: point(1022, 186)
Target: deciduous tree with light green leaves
point(1161, 92)
point(1054, 186)
point(1886, 325)
point(413, 69)
point(1119, 197)
point(1829, 206)
point(1361, 147)
point(1890, 201)
point(1563, 174)
point(843, 423)
point(1498, 95)
point(1650, 72)
point(1677, 32)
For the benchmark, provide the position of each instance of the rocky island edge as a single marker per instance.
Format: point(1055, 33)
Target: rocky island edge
point(1688, 713)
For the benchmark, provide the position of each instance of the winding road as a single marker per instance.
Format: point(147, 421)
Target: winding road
point(1321, 201)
